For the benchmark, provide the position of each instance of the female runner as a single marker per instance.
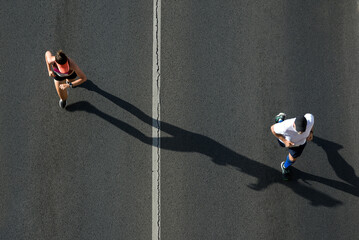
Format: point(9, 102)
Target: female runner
point(64, 71)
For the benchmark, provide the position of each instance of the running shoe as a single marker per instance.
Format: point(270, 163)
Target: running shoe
point(62, 103)
point(285, 172)
point(280, 117)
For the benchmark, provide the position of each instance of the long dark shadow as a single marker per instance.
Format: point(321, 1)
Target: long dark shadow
point(341, 167)
point(186, 141)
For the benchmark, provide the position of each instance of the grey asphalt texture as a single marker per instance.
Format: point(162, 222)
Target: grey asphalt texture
point(227, 68)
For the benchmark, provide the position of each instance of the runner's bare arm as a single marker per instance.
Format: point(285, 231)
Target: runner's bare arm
point(49, 60)
point(310, 137)
point(79, 72)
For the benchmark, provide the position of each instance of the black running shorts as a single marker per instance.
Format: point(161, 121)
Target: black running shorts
point(294, 151)
point(58, 78)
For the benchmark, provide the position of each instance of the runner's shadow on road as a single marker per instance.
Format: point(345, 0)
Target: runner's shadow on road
point(340, 166)
point(186, 141)
point(342, 169)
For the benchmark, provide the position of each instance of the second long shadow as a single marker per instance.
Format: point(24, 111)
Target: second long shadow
point(186, 141)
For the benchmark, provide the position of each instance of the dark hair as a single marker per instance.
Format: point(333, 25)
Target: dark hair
point(300, 124)
point(61, 57)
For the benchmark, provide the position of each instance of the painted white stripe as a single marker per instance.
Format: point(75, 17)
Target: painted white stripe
point(156, 154)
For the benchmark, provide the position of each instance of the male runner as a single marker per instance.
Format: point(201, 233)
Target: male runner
point(293, 134)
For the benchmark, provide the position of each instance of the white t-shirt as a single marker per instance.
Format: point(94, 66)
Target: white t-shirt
point(286, 129)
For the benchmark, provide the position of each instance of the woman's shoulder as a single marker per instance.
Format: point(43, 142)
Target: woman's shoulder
point(72, 63)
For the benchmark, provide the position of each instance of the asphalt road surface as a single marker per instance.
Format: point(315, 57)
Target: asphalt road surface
point(227, 68)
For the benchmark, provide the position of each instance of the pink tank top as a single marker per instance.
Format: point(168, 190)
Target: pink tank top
point(54, 67)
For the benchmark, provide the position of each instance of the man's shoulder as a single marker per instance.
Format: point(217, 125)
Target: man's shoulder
point(283, 126)
point(289, 121)
point(309, 117)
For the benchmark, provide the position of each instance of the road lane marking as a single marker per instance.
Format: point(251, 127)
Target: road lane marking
point(156, 104)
